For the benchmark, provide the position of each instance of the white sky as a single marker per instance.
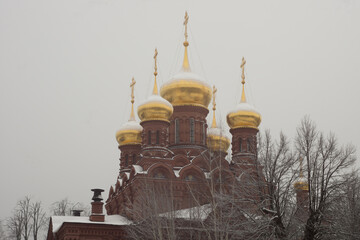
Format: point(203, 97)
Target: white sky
point(66, 65)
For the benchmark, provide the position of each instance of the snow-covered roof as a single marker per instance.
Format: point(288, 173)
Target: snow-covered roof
point(198, 213)
point(216, 132)
point(157, 99)
point(138, 169)
point(57, 221)
point(184, 75)
point(244, 106)
point(131, 125)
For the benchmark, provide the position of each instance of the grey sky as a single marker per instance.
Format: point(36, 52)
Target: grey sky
point(66, 65)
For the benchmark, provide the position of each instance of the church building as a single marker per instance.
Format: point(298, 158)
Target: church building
point(173, 163)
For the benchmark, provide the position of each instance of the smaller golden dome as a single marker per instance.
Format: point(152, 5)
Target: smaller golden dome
point(216, 138)
point(130, 132)
point(156, 107)
point(301, 184)
point(244, 115)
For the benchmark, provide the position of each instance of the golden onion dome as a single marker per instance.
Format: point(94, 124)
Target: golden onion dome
point(155, 107)
point(301, 183)
point(216, 138)
point(244, 115)
point(130, 132)
point(186, 87)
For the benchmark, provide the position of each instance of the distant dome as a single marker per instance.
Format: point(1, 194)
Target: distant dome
point(217, 140)
point(129, 133)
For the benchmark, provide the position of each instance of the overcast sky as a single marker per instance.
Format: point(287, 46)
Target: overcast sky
point(66, 66)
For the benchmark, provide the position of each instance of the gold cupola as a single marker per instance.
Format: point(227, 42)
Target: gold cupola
point(155, 107)
point(244, 115)
point(186, 87)
point(301, 183)
point(130, 132)
point(216, 138)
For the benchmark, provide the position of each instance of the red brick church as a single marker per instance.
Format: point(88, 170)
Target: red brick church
point(172, 163)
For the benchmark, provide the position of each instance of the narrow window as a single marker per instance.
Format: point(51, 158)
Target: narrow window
point(177, 131)
point(149, 137)
point(134, 159)
point(204, 133)
point(157, 137)
point(192, 125)
point(126, 160)
point(248, 145)
point(240, 145)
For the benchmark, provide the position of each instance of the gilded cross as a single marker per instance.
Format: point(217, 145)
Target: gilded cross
point(186, 19)
point(243, 70)
point(132, 89)
point(155, 57)
point(214, 103)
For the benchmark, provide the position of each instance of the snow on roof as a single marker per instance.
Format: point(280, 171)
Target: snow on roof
point(131, 125)
point(157, 99)
point(184, 75)
point(244, 106)
point(216, 132)
point(197, 213)
point(138, 169)
point(127, 174)
point(57, 221)
point(176, 172)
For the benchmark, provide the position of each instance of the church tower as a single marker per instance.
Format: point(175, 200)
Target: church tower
point(154, 114)
point(190, 97)
point(129, 138)
point(243, 122)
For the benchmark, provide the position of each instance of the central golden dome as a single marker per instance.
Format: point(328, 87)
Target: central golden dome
point(186, 88)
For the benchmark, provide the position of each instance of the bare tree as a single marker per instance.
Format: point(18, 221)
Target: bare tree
point(326, 165)
point(24, 209)
point(2, 232)
point(62, 207)
point(278, 164)
point(38, 218)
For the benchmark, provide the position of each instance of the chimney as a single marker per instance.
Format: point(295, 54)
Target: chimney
point(76, 213)
point(97, 206)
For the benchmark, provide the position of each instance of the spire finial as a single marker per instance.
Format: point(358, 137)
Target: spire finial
point(213, 125)
point(132, 84)
point(243, 98)
point(186, 66)
point(155, 89)
point(301, 174)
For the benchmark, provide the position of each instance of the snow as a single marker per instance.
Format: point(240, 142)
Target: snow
point(57, 221)
point(131, 125)
point(183, 75)
point(138, 169)
point(244, 107)
point(156, 99)
point(216, 132)
point(199, 213)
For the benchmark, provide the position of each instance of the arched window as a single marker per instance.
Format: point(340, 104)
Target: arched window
point(126, 160)
point(248, 144)
point(192, 128)
point(149, 137)
point(157, 137)
point(240, 145)
point(159, 175)
point(177, 131)
point(134, 159)
point(190, 177)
